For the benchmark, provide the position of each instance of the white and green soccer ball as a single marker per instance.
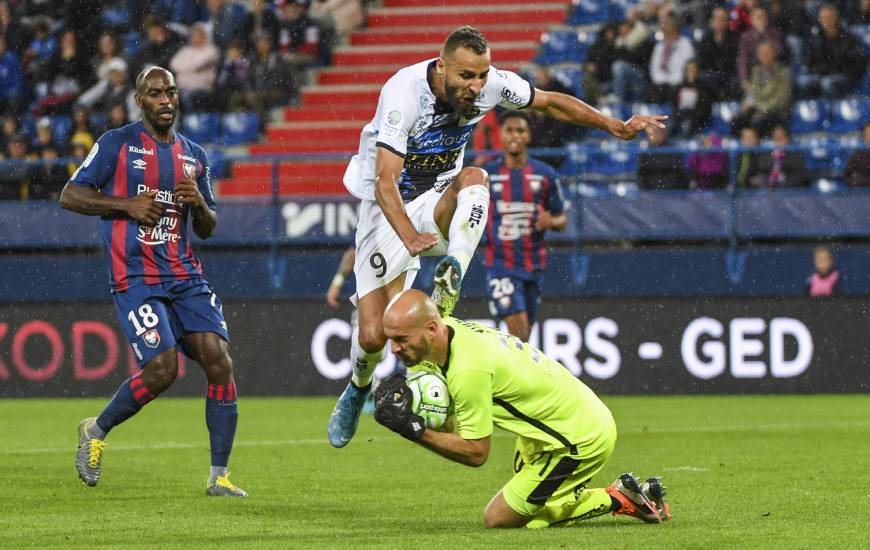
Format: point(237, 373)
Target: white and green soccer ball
point(430, 398)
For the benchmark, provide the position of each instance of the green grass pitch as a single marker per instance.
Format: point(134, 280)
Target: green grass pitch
point(742, 472)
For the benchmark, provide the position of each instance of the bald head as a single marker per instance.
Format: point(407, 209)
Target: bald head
point(141, 80)
point(410, 309)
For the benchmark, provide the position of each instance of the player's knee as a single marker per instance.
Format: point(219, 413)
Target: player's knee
point(160, 374)
point(372, 339)
point(492, 520)
point(219, 368)
point(472, 175)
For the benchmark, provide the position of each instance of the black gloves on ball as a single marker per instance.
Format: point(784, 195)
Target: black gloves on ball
point(393, 408)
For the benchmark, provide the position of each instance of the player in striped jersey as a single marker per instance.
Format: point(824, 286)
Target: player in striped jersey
point(146, 181)
point(525, 201)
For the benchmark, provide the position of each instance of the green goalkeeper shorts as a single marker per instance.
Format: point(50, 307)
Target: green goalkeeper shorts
point(554, 477)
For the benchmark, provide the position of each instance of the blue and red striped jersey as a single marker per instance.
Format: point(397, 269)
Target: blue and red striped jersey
point(512, 242)
point(128, 161)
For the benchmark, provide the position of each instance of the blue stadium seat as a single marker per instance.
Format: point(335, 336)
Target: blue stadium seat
point(239, 128)
point(809, 116)
point(647, 109)
point(201, 127)
point(863, 34)
point(561, 46)
point(848, 115)
point(571, 77)
point(61, 127)
point(132, 42)
point(613, 161)
point(576, 160)
point(723, 113)
point(593, 11)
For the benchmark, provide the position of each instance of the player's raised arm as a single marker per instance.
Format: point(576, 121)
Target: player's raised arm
point(143, 208)
point(565, 108)
point(388, 167)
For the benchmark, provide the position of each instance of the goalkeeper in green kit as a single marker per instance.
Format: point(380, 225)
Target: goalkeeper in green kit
point(565, 433)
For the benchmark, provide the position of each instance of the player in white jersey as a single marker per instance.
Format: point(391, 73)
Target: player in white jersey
point(416, 196)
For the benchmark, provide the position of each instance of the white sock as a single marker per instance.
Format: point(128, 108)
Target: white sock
point(468, 223)
point(215, 472)
point(363, 363)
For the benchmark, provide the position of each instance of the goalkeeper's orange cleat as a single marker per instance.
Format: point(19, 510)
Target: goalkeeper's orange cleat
point(645, 502)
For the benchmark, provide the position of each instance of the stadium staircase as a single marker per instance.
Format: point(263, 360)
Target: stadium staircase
point(343, 99)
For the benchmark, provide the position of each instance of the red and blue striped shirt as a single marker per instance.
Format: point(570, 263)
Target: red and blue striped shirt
point(512, 242)
point(126, 162)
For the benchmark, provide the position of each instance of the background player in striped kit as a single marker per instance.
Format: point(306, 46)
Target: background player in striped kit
point(525, 201)
point(145, 180)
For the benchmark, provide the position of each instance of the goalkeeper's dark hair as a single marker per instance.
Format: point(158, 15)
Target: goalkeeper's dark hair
point(465, 37)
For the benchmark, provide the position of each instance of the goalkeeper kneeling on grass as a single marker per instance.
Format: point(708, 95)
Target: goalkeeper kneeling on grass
point(565, 433)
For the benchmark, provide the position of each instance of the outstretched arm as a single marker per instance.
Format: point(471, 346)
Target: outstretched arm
point(565, 108)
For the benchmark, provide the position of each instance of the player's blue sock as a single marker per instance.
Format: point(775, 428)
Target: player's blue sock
point(221, 417)
point(127, 401)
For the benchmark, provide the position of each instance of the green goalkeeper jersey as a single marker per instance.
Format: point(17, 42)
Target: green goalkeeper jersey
point(496, 379)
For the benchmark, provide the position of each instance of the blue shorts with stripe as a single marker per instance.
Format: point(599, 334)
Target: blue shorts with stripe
point(510, 292)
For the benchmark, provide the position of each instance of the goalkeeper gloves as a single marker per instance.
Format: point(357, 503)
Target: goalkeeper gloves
point(393, 408)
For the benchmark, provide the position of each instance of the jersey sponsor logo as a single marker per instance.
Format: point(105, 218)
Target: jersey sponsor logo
point(167, 227)
point(439, 140)
point(140, 150)
point(514, 98)
point(516, 219)
point(151, 338)
point(187, 158)
point(443, 161)
point(139, 164)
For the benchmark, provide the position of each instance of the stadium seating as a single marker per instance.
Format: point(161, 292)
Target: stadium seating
point(848, 115)
point(571, 76)
point(239, 128)
point(201, 127)
point(723, 113)
point(809, 116)
point(594, 11)
point(567, 45)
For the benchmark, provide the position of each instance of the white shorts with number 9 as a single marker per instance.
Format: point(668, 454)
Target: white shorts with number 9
point(380, 254)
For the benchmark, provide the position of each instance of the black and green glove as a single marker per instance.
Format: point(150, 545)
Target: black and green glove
point(393, 408)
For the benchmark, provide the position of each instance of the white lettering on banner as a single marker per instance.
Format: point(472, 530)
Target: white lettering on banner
point(743, 345)
point(745, 348)
point(338, 219)
point(562, 341)
point(714, 352)
point(779, 329)
point(338, 328)
point(602, 348)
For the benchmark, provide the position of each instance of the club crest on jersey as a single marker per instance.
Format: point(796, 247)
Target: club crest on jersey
point(189, 170)
point(151, 338)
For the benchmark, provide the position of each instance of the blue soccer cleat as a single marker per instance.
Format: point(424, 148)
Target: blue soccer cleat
point(345, 415)
point(446, 283)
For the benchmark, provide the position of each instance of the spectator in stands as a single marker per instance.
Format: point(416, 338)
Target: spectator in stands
point(692, 13)
point(717, 57)
point(108, 50)
point(11, 127)
point(783, 167)
point(119, 116)
point(835, 58)
point(270, 78)
point(708, 169)
point(597, 72)
point(161, 44)
point(299, 40)
point(633, 50)
point(660, 170)
point(749, 161)
point(857, 171)
point(668, 63)
point(863, 17)
point(760, 31)
point(794, 23)
point(11, 29)
point(195, 67)
point(226, 21)
point(768, 96)
point(825, 279)
point(340, 16)
point(47, 180)
point(692, 103)
point(261, 20)
point(15, 178)
point(740, 16)
point(82, 130)
point(78, 152)
point(547, 131)
point(112, 90)
point(11, 80)
point(44, 136)
point(40, 49)
point(232, 80)
point(66, 74)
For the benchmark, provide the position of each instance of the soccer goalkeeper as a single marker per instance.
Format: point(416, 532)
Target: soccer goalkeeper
point(565, 433)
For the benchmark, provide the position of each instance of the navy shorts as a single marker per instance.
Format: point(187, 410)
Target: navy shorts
point(510, 293)
point(155, 317)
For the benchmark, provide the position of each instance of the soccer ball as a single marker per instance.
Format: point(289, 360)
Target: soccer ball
point(430, 398)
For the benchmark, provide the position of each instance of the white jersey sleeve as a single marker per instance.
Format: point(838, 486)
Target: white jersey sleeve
point(396, 114)
point(512, 90)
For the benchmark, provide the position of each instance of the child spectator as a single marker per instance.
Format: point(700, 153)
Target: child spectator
point(708, 169)
point(825, 279)
point(47, 180)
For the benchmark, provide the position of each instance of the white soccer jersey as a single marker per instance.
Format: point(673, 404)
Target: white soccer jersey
point(429, 134)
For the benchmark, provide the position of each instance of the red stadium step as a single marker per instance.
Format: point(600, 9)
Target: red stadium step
point(250, 188)
point(333, 96)
point(263, 170)
point(548, 13)
point(327, 77)
point(410, 54)
point(291, 134)
point(455, 3)
point(326, 113)
point(429, 35)
point(280, 148)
